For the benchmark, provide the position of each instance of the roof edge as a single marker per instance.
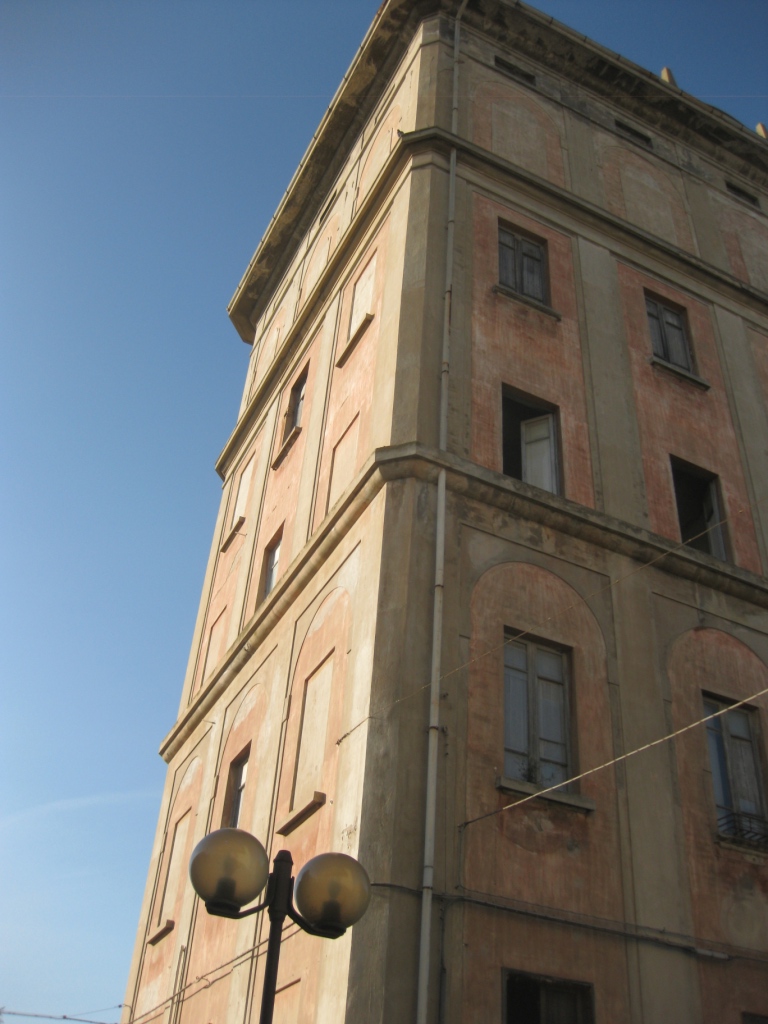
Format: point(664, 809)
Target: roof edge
point(540, 37)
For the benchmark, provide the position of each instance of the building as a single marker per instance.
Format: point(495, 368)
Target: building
point(495, 514)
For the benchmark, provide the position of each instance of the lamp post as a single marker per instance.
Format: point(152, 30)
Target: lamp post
point(229, 868)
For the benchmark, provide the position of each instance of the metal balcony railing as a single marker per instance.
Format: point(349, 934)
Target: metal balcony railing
point(744, 828)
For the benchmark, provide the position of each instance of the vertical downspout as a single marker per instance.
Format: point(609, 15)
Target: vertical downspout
point(437, 620)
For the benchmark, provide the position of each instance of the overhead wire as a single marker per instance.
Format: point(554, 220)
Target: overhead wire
point(52, 1016)
point(236, 961)
point(622, 757)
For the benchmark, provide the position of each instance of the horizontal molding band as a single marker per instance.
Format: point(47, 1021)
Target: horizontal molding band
point(468, 480)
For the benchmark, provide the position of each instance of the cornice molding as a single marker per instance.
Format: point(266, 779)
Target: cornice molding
point(516, 26)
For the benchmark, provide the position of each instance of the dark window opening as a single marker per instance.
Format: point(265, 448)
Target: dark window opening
point(326, 209)
point(514, 71)
point(742, 194)
point(522, 265)
point(529, 443)
point(668, 334)
point(698, 509)
point(233, 802)
point(633, 134)
point(272, 564)
point(295, 405)
point(533, 1000)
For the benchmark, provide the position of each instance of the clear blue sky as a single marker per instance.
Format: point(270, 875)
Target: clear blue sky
point(145, 146)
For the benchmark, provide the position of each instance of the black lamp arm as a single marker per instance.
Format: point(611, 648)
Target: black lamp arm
point(327, 932)
point(221, 910)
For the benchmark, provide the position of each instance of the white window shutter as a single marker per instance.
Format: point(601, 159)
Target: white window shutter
point(538, 443)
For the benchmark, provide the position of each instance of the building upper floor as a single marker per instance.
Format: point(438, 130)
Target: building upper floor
point(602, 353)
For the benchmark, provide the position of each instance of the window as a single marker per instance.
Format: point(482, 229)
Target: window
point(668, 334)
point(295, 405)
point(233, 803)
point(534, 1000)
point(536, 729)
point(633, 134)
point(514, 71)
point(522, 265)
point(698, 509)
point(742, 194)
point(733, 757)
point(529, 443)
point(271, 564)
point(326, 209)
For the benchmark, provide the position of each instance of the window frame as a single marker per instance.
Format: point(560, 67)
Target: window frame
point(661, 343)
point(534, 756)
point(270, 571)
point(514, 71)
point(237, 779)
point(734, 824)
point(514, 282)
point(585, 989)
point(717, 538)
point(632, 134)
point(737, 192)
point(296, 402)
point(511, 397)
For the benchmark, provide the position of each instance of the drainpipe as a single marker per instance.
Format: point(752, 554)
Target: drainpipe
point(437, 620)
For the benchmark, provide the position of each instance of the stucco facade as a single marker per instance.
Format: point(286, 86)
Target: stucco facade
point(376, 306)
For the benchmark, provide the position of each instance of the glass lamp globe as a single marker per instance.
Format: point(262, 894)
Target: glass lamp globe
point(332, 891)
point(228, 869)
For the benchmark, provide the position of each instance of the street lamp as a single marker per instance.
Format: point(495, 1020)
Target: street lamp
point(229, 868)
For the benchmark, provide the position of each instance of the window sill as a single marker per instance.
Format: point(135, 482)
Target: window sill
point(161, 932)
point(286, 447)
point(232, 533)
point(301, 816)
point(542, 307)
point(578, 803)
point(678, 371)
point(346, 351)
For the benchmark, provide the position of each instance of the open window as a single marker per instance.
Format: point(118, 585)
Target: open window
point(531, 999)
point(271, 564)
point(530, 442)
point(699, 509)
point(233, 801)
point(295, 405)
